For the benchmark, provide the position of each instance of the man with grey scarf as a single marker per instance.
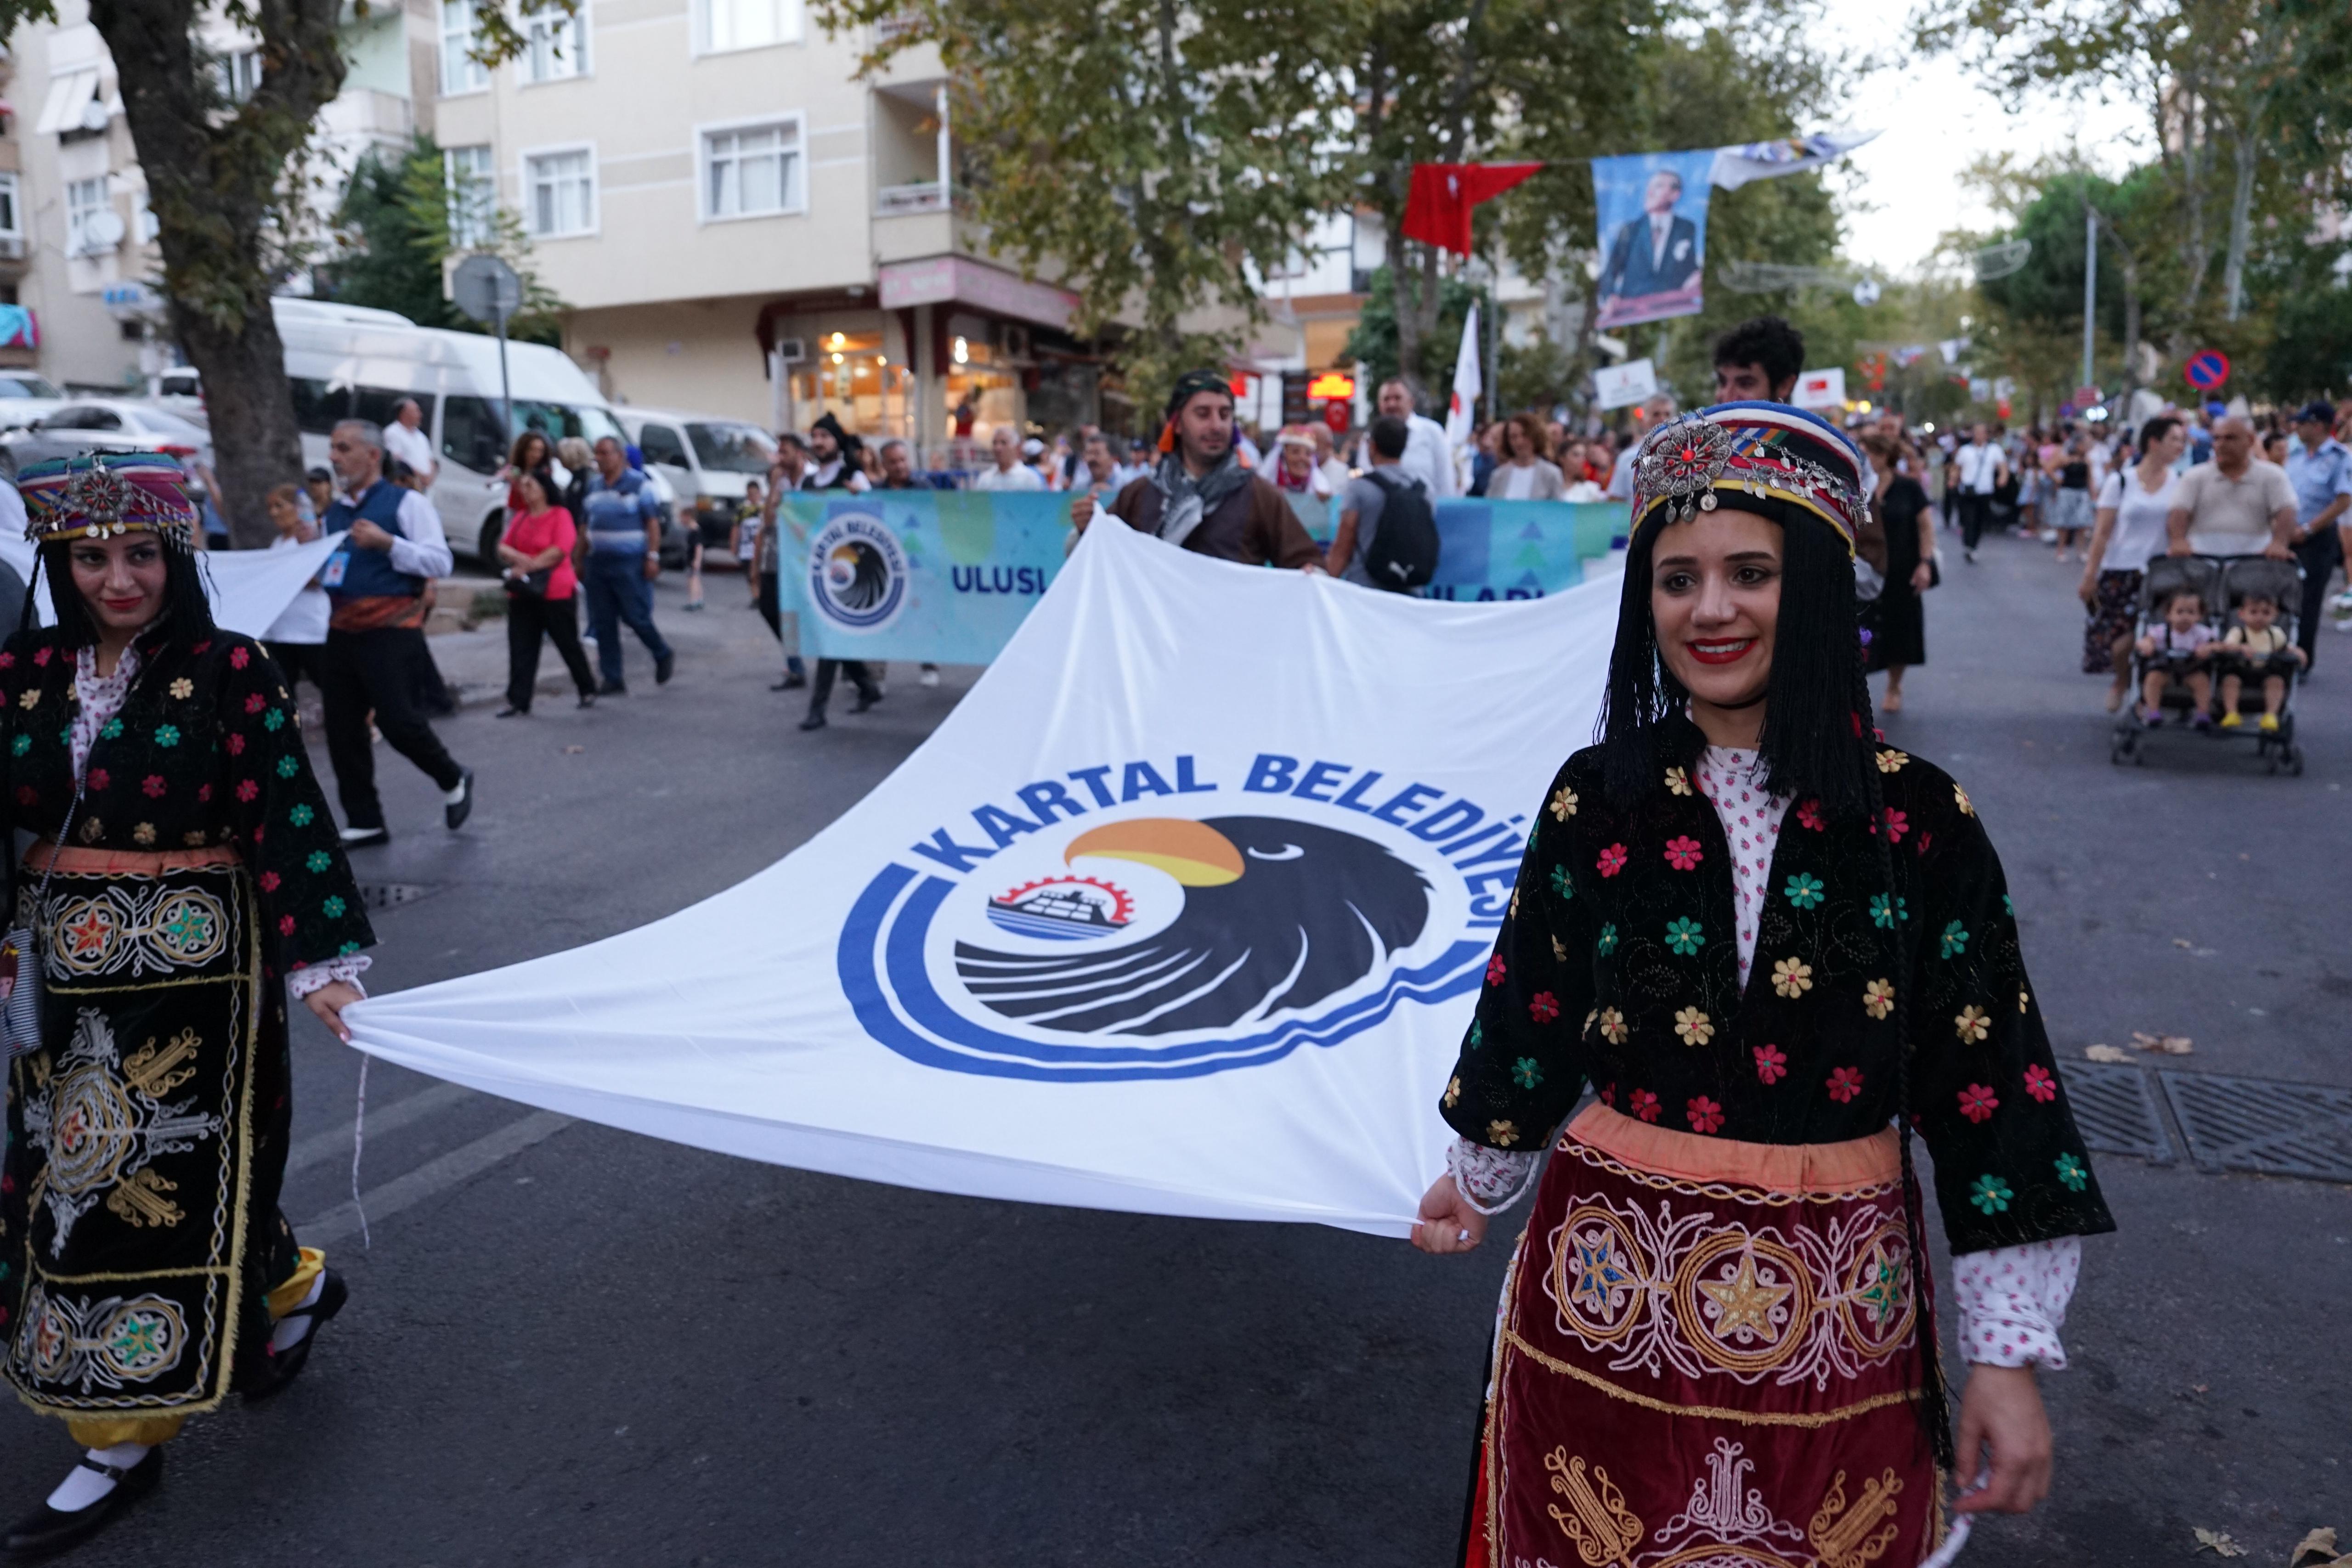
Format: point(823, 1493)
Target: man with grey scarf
point(1200, 498)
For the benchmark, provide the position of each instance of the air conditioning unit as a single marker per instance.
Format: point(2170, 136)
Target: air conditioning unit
point(791, 350)
point(12, 247)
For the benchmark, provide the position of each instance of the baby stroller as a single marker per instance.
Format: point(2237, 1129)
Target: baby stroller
point(2222, 584)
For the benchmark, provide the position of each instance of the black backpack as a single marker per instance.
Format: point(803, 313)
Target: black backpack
point(1403, 554)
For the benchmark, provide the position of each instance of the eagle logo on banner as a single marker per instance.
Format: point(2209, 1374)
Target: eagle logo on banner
point(856, 571)
point(1101, 935)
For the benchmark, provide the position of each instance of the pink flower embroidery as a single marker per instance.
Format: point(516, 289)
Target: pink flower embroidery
point(1771, 1063)
point(1608, 1096)
point(1683, 854)
point(2041, 1085)
point(285, 921)
point(7, 661)
point(154, 785)
point(253, 703)
point(1845, 1083)
point(1495, 970)
point(203, 792)
point(1977, 1102)
point(1544, 1009)
point(1612, 859)
point(237, 746)
point(1809, 815)
point(1924, 840)
point(100, 779)
point(1704, 1114)
point(1897, 824)
point(246, 788)
point(41, 657)
point(1645, 1106)
point(237, 658)
point(269, 881)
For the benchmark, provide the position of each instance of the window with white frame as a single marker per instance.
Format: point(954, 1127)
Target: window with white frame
point(560, 191)
point(85, 200)
point(471, 182)
point(460, 72)
point(751, 170)
point(555, 44)
point(240, 74)
point(749, 23)
point(10, 226)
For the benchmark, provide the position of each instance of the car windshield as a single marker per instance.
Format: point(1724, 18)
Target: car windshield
point(557, 420)
point(155, 421)
point(732, 448)
point(21, 385)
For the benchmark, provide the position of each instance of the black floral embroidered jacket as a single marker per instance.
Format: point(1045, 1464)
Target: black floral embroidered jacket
point(1617, 966)
point(206, 751)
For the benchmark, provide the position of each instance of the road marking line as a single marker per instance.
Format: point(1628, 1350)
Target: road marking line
point(434, 1177)
point(336, 1142)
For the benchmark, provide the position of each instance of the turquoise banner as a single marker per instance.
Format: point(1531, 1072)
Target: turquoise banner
point(945, 576)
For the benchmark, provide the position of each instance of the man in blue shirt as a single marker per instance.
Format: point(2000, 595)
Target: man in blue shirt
point(623, 519)
point(2322, 476)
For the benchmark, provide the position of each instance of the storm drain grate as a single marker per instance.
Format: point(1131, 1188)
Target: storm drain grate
point(385, 894)
point(2262, 1125)
point(2115, 1107)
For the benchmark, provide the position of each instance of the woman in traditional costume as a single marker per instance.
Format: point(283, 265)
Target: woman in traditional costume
point(1772, 945)
point(184, 884)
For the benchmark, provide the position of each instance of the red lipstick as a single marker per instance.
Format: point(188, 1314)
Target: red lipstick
point(1728, 652)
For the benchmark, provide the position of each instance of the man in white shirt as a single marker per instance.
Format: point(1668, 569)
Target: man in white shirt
point(1621, 478)
point(1426, 456)
point(1010, 473)
point(1984, 469)
point(2234, 504)
point(406, 439)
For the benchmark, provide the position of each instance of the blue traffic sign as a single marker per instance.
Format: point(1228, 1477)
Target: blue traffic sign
point(2207, 369)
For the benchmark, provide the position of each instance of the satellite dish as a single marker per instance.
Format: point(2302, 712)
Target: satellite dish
point(2001, 260)
point(103, 230)
point(94, 116)
point(1865, 293)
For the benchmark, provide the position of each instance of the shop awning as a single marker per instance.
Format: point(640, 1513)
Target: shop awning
point(959, 280)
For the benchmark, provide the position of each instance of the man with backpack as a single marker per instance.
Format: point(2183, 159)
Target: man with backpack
point(1387, 536)
point(1199, 497)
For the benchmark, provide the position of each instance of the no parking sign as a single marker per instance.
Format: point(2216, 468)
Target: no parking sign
point(2207, 370)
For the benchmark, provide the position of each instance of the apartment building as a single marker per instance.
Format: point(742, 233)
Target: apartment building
point(740, 225)
point(77, 240)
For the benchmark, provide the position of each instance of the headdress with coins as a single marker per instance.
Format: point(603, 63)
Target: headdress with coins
point(1767, 450)
point(102, 494)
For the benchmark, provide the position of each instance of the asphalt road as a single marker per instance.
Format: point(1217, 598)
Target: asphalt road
point(568, 1345)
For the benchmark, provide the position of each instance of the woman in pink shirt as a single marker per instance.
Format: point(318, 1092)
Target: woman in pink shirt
point(537, 550)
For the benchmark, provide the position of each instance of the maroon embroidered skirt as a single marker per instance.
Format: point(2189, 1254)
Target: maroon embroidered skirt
point(1705, 1355)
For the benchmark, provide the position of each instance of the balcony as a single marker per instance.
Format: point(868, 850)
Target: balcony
point(903, 201)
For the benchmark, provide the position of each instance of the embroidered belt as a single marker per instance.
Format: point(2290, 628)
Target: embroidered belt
point(76, 861)
point(1853, 1169)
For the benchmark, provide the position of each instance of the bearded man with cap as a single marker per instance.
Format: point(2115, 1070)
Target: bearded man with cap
point(1773, 945)
point(1200, 498)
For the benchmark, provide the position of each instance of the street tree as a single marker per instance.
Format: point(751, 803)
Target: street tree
point(1154, 158)
point(230, 182)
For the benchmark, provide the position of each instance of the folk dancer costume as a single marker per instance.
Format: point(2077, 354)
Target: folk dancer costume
point(1717, 1342)
point(186, 864)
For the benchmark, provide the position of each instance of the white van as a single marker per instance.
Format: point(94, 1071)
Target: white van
point(707, 459)
point(348, 362)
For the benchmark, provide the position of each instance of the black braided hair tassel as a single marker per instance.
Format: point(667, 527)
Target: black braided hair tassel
point(1934, 1398)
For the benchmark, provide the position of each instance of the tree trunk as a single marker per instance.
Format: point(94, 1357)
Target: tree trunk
point(2197, 258)
point(217, 184)
point(2246, 150)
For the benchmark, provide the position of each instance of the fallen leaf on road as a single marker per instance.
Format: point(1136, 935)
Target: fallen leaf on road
point(2105, 1053)
point(2170, 1044)
point(574, 750)
point(2218, 1544)
point(2199, 1387)
point(2182, 942)
point(2316, 1550)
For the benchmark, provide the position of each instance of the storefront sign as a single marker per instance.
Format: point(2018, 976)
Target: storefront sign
point(958, 280)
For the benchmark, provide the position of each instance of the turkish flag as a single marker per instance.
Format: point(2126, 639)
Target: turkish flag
point(1437, 207)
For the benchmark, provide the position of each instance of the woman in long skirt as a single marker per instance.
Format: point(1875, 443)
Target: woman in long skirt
point(184, 884)
point(1772, 945)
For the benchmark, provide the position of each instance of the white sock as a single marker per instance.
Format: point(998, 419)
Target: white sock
point(83, 1487)
point(454, 796)
point(291, 1330)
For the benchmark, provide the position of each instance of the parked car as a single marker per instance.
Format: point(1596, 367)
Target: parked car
point(348, 362)
point(707, 460)
point(25, 397)
point(104, 424)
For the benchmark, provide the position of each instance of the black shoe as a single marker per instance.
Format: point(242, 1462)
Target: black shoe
point(284, 1366)
point(365, 838)
point(47, 1530)
point(813, 721)
point(664, 667)
point(510, 711)
point(790, 683)
point(866, 700)
point(456, 812)
point(612, 689)
point(587, 699)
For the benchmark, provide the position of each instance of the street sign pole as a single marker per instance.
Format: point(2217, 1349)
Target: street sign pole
point(490, 291)
point(2090, 288)
point(506, 386)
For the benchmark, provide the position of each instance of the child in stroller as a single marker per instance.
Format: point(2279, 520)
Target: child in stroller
point(2256, 646)
point(2181, 649)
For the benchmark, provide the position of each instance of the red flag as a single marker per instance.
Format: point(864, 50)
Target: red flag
point(1437, 207)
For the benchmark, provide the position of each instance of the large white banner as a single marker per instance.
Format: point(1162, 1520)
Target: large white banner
point(1182, 911)
point(250, 589)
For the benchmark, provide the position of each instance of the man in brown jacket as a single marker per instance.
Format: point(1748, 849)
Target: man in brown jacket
point(1200, 498)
